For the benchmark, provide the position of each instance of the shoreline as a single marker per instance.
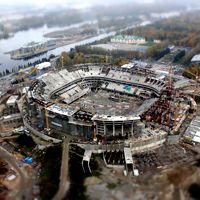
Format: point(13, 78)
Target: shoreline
point(59, 43)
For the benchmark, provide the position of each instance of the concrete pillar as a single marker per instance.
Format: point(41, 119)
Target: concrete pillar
point(95, 123)
point(122, 129)
point(39, 111)
point(113, 128)
point(104, 128)
point(132, 129)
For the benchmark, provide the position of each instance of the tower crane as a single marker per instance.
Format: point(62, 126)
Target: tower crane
point(34, 69)
point(176, 114)
point(46, 111)
point(177, 107)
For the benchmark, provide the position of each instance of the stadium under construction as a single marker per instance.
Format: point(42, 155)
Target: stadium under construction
point(105, 108)
point(102, 101)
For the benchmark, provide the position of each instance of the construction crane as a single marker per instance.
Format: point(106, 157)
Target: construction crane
point(176, 115)
point(170, 83)
point(177, 108)
point(46, 111)
point(33, 70)
point(169, 92)
point(46, 115)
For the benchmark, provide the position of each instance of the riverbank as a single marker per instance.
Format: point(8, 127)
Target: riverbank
point(85, 29)
point(27, 36)
point(57, 44)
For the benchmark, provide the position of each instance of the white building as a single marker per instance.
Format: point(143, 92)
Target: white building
point(43, 65)
point(128, 39)
point(12, 100)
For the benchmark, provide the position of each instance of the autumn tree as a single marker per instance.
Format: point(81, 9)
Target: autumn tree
point(121, 61)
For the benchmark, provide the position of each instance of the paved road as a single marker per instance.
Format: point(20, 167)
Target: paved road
point(64, 181)
point(25, 187)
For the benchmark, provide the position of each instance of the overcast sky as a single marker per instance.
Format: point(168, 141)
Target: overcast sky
point(79, 4)
point(70, 3)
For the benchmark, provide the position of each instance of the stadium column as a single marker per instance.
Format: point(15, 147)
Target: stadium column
point(104, 128)
point(113, 128)
point(39, 111)
point(132, 129)
point(96, 128)
point(122, 129)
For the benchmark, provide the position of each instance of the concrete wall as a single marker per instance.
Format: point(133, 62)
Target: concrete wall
point(69, 127)
point(41, 135)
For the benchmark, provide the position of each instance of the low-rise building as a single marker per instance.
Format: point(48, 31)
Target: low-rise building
point(12, 101)
point(128, 39)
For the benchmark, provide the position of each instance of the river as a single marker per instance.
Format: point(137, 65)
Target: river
point(37, 34)
point(24, 37)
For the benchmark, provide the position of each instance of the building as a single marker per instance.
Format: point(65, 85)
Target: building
point(128, 39)
point(43, 65)
point(12, 101)
point(105, 102)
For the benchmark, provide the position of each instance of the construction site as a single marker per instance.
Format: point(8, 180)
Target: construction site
point(105, 108)
point(136, 119)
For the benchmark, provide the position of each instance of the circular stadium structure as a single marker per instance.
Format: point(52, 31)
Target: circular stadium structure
point(104, 103)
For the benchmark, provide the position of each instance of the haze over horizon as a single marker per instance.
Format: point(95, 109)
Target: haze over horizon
point(78, 4)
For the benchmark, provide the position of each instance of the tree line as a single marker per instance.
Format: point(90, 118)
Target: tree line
point(181, 31)
point(88, 54)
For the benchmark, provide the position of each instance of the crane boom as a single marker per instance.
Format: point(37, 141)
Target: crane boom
point(46, 112)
